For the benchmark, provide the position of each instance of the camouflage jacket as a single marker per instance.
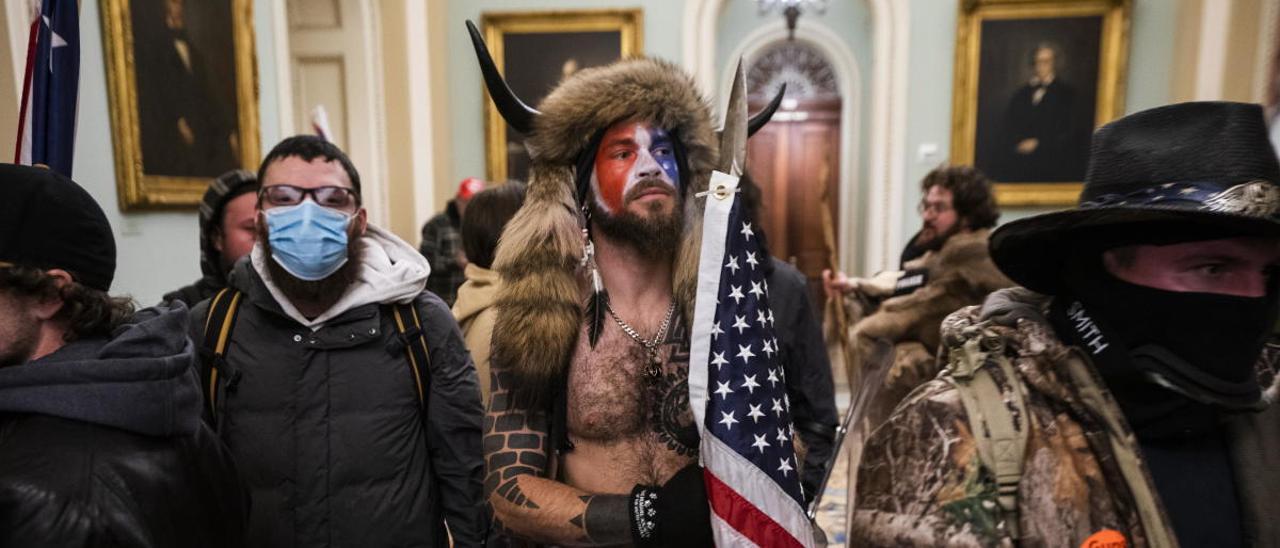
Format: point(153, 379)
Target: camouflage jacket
point(921, 483)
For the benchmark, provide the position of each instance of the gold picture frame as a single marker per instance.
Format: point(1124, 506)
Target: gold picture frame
point(1018, 31)
point(586, 30)
point(223, 127)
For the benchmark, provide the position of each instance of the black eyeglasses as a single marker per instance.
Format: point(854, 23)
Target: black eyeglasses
point(936, 207)
point(335, 197)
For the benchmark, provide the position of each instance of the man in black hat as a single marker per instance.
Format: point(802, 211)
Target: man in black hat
point(227, 233)
point(1130, 405)
point(101, 441)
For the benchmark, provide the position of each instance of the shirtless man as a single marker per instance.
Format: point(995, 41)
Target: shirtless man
point(630, 430)
point(589, 436)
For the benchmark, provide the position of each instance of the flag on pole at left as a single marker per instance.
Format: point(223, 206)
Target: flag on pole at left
point(47, 132)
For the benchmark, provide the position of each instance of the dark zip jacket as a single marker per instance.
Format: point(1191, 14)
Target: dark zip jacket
point(327, 429)
point(101, 444)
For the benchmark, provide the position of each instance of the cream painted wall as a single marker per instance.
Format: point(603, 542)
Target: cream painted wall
point(158, 251)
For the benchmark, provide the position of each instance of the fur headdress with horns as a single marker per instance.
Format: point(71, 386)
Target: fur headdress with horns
point(540, 306)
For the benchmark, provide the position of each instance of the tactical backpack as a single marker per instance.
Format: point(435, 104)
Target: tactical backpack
point(1000, 442)
point(221, 318)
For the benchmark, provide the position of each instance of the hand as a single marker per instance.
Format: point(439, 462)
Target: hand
point(681, 511)
point(879, 286)
point(836, 284)
point(1027, 146)
point(686, 514)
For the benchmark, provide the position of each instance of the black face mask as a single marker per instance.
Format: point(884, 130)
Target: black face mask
point(1202, 345)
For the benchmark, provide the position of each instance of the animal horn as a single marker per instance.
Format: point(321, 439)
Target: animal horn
point(513, 110)
point(761, 118)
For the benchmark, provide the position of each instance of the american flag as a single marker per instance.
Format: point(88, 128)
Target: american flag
point(738, 389)
point(47, 134)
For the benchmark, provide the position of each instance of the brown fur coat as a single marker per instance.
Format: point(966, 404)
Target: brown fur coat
point(960, 274)
point(540, 305)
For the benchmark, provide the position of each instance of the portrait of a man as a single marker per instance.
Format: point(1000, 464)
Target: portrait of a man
point(187, 113)
point(1033, 78)
point(1040, 140)
point(1036, 103)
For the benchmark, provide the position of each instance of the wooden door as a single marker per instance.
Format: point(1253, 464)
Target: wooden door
point(795, 160)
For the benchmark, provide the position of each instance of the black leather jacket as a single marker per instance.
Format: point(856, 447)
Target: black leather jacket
point(101, 444)
point(70, 483)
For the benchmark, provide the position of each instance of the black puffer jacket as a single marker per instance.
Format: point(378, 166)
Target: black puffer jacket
point(327, 429)
point(101, 445)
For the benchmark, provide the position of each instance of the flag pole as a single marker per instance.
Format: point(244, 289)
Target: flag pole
point(833, 262)
point(23, 141)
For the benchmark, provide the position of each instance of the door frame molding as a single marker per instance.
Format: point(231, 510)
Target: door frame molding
point(849, 83)
point(887, 148)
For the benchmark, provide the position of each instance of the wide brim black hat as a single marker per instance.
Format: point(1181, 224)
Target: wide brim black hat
point(1156, 176)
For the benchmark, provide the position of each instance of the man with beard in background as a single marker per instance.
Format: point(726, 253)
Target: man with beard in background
point(312, 389)
point(945, 267)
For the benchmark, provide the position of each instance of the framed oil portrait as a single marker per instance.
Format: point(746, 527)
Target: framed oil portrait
point(535, 51)
point(1033, 79)
point(183, 89)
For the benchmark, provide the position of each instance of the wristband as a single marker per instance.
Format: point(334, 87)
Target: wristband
point(644, 515)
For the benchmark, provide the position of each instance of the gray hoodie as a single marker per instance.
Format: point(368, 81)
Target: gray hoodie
point(141, 380)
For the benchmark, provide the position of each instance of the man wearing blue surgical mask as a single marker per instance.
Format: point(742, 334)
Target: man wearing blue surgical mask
point(340, 384)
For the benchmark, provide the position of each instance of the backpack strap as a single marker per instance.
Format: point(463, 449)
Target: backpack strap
point(414, 338)
point(997, 418)
point(217, 335)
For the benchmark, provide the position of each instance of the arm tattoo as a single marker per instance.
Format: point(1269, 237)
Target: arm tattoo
point(512, 449)
point(526, 503)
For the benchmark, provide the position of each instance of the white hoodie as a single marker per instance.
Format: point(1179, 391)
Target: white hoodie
point(391, 271)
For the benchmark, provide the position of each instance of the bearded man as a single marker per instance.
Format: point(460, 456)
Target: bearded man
point(101, 442)
point(945, 267)
point(589, 434)
point(342, 438)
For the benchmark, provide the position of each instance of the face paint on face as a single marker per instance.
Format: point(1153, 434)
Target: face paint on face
point(634, 161)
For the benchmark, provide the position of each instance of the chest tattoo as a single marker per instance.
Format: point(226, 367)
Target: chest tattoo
point(669, 414)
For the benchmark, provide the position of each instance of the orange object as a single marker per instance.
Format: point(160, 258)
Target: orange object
point(1106, 538)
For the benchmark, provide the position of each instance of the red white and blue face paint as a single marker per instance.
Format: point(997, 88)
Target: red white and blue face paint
point(635, 161)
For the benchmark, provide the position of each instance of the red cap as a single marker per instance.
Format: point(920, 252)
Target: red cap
point(469, 187)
